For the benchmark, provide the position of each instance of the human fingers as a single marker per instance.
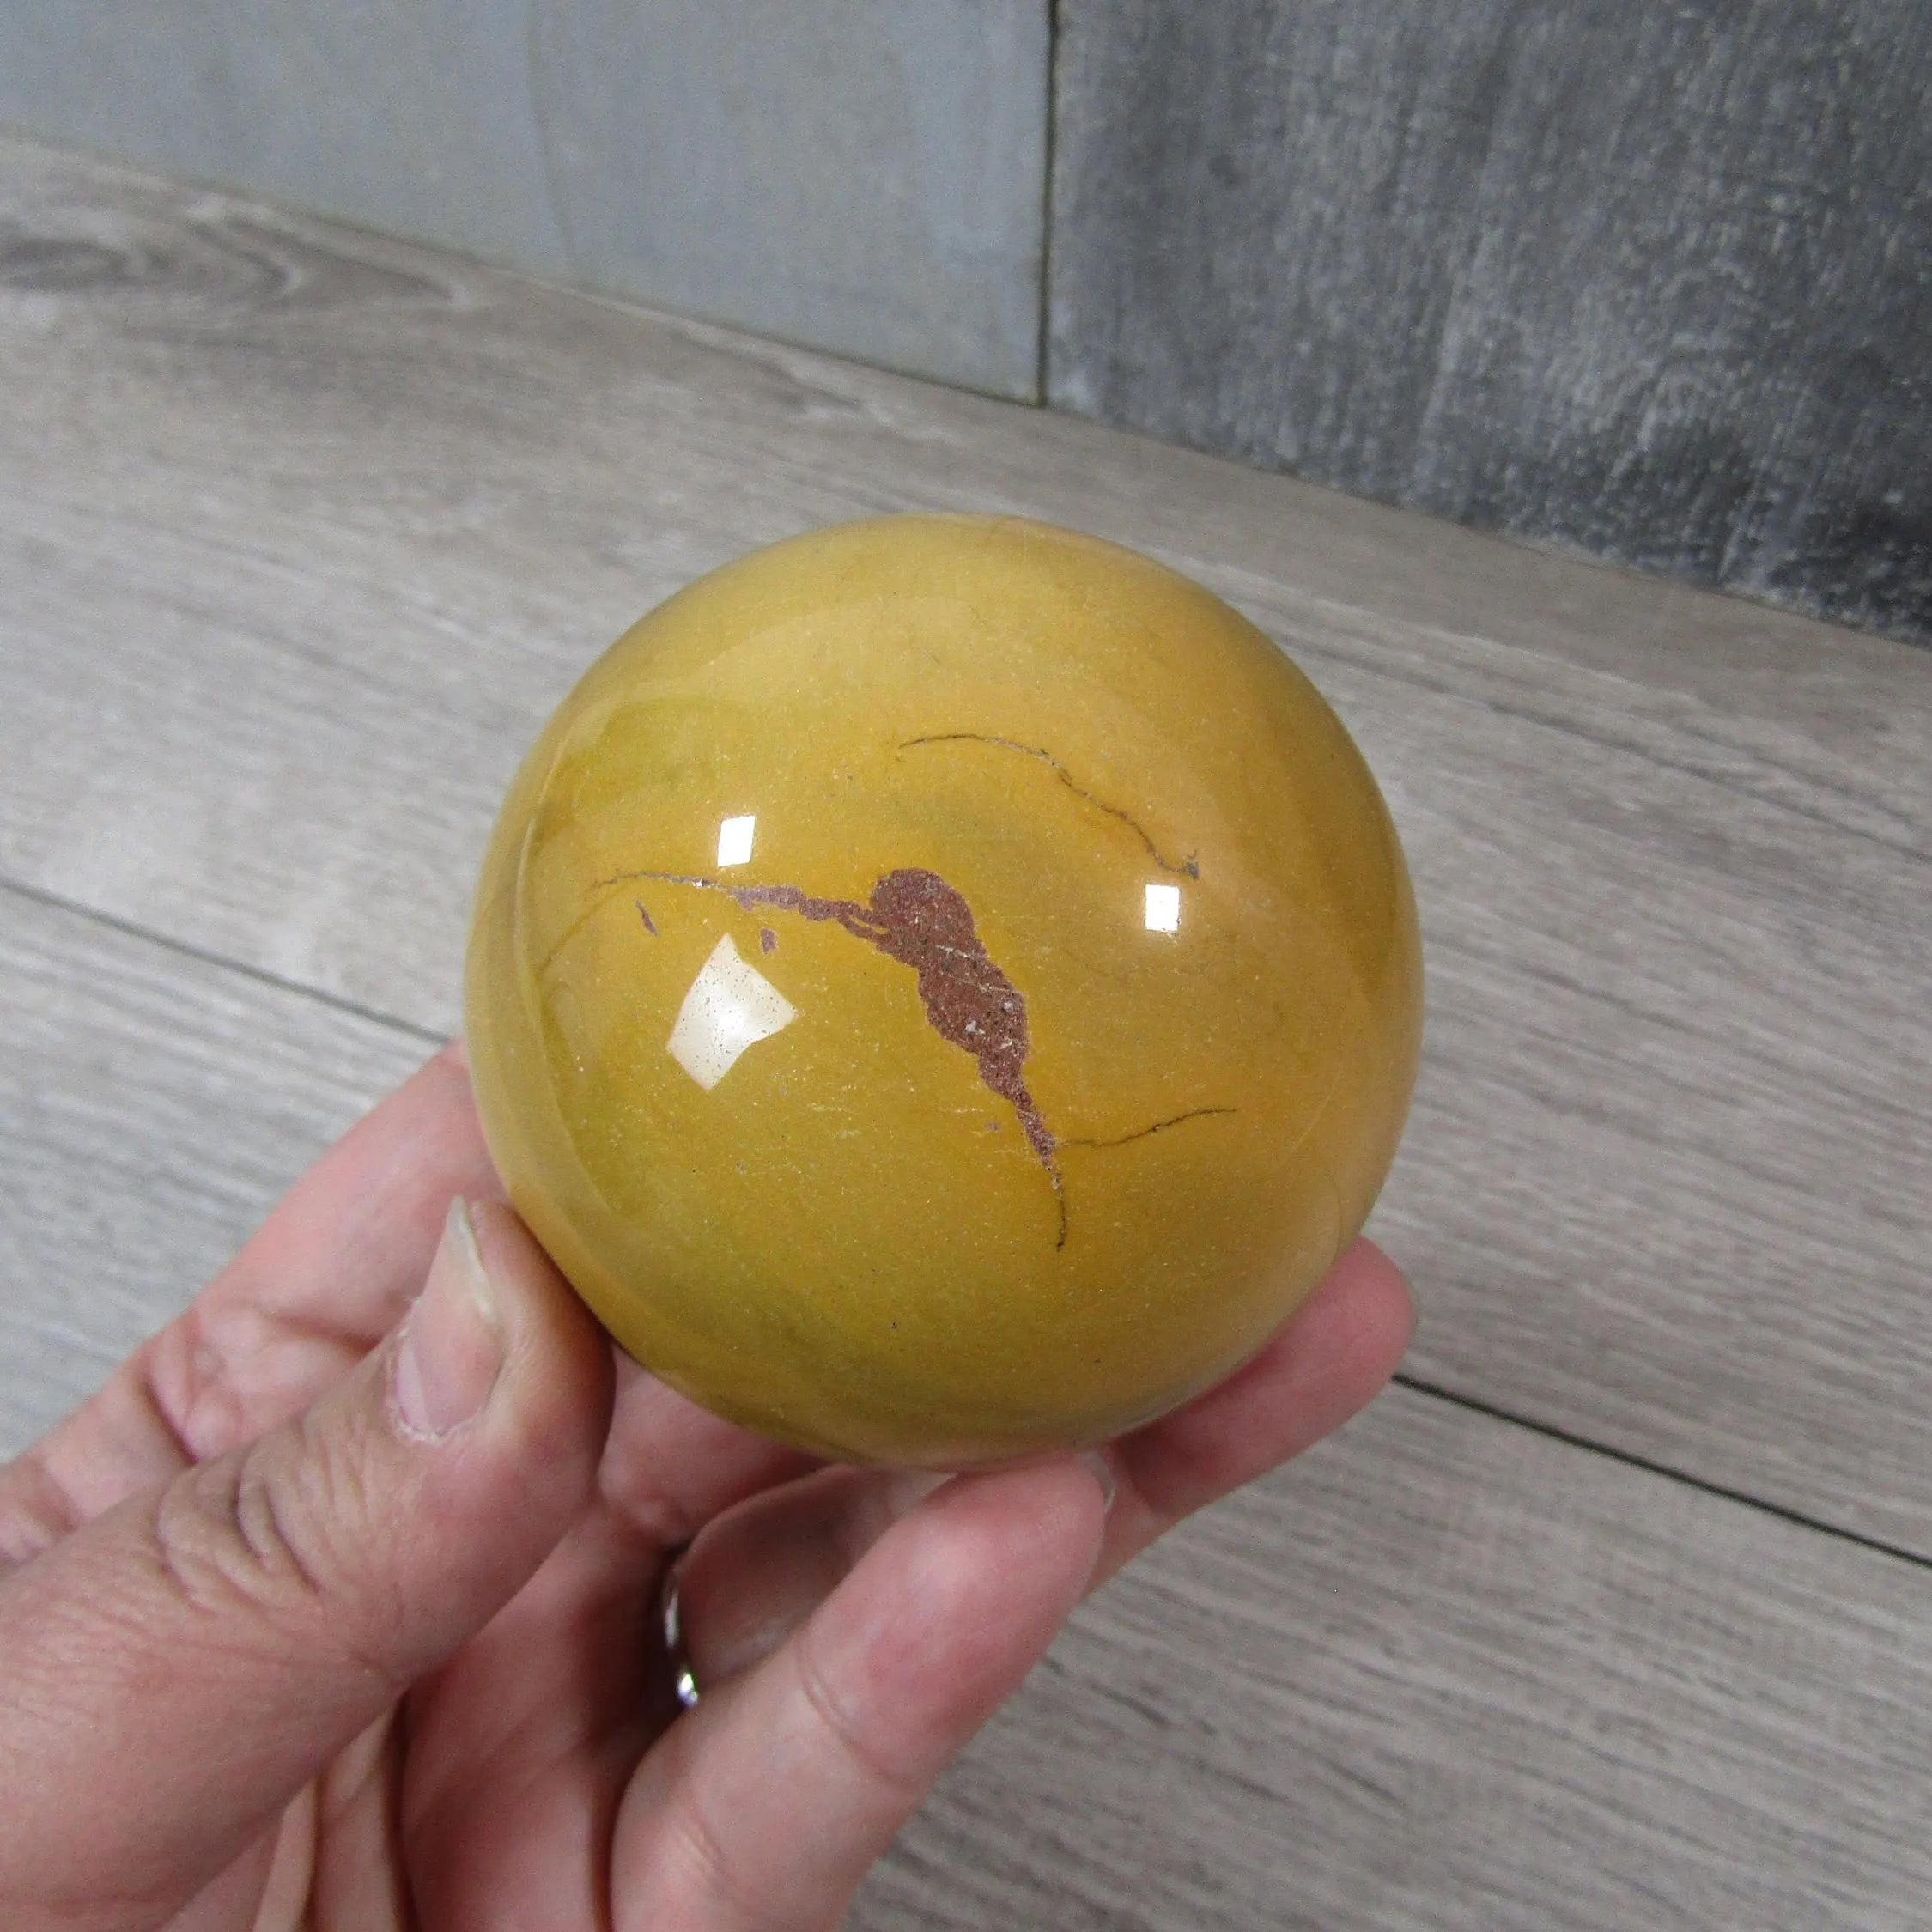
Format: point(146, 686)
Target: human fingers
point(1330, 1361)
point(572, 1669)
point(327, 1274)
point(759, 1571)
point(481, 1823)
point(180, 1668)
point(754, 1574)
point(522, 1746)
point(762, 1809)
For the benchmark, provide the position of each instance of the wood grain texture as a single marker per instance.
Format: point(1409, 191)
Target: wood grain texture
point(1443, 1673)
point(303, 533)
point(152, 1105)
point(868, 176)
point(1652, 281)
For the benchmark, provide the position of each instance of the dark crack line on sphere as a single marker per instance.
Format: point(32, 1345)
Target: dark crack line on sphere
point(914, 917)
point(1188, 867)
point(1158, 1127)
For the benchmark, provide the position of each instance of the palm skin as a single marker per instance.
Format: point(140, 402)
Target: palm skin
point(262, 1680)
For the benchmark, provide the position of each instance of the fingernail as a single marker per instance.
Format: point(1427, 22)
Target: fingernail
point(907, 1488)
point(881, 1503)
point(1102, 1473)
point(452, 1347)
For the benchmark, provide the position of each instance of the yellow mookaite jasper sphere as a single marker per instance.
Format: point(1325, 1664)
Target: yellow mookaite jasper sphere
point(944, 989)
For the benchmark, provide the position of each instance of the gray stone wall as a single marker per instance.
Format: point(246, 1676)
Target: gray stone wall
point(1649, 282)
point(1653, 282)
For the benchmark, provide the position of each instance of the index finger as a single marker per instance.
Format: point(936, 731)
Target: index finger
point(762, 1809)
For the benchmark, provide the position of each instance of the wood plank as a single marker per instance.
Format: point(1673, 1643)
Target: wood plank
point(303, 533)
point(152, 1105)
point(868, 176)
point(1653, 282)
point(1443, 1673)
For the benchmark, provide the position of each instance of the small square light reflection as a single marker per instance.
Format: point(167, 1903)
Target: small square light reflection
point(1164, 908)
point(734, 840)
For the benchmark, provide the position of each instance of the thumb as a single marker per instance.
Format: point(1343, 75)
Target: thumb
point(174, 1673)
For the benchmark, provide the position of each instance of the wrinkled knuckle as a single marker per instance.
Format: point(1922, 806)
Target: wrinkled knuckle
point(191, 1387)
point(266, 1535)
point(648, 1507)
point(223, 1542)
point(846, 1733)
point(703, 1883)
point(37, 1509)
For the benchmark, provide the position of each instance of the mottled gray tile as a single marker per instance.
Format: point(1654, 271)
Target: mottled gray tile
point(1655, 282)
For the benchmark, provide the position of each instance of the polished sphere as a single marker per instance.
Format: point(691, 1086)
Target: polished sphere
point(944, 989)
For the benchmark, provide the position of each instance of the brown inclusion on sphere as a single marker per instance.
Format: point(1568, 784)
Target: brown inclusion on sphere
point(914, 917)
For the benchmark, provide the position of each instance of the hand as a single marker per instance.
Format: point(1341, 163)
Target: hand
point(333, 1611)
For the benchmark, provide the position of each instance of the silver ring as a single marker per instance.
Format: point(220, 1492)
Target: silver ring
point(684, 1681)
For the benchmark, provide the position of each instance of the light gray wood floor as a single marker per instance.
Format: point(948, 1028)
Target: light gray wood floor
point(1616, 1613)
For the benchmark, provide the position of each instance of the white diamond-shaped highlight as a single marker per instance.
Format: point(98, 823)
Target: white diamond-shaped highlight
point(731, 1005)
point(1164, 908)
point(734, 840)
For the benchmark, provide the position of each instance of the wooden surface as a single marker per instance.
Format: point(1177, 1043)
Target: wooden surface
point(151, 1105)
point(1654, 281)
point(1444, 1673)
point(866, 175)
point(300, 534)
